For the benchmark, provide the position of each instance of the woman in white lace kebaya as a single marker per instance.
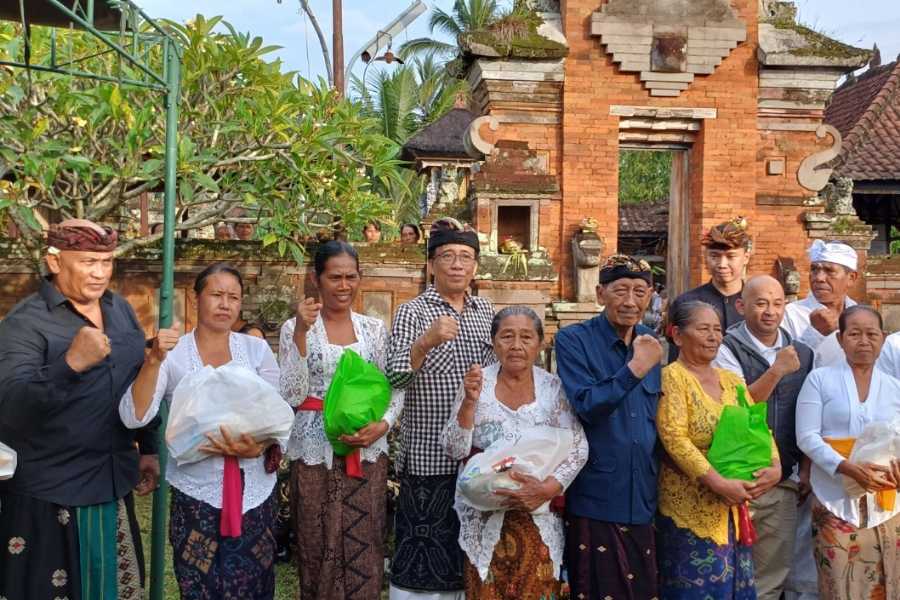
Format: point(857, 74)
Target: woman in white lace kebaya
point(339, 513)
point(513, 554)
point(213, 558)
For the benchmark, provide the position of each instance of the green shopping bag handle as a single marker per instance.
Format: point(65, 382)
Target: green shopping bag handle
point(742, 397)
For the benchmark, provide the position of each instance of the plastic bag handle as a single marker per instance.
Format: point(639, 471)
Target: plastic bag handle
point(742, 397)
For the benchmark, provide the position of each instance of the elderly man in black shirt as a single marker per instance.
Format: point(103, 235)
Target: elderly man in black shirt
point(67, 355)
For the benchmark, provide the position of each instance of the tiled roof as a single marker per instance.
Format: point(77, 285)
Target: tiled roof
point(443, 138)
point(867, 113)
point(644, 218)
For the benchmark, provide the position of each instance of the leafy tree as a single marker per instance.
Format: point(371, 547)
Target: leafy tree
point(465, 17)
point(249, 135)
point(644, 176)
point(403, 100)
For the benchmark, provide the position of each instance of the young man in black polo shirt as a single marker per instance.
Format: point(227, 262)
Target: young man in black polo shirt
point(726, 250)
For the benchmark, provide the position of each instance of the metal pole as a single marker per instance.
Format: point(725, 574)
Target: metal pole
point(166, 293)
point(337, 43)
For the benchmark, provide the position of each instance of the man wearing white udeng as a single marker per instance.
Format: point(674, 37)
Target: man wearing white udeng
point(814, 321)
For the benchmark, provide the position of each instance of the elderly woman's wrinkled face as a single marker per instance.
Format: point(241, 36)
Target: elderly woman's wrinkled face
point(699, 340)
point(862, 339)
point(517, 343)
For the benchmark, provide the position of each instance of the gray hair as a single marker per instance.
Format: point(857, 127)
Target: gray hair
point(516, 311)
point(683, 313)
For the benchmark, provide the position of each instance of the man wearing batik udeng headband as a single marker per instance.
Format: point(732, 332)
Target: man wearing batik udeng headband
point(67, 354)
point(610, 370)
point(437, 337)
point(726, 250)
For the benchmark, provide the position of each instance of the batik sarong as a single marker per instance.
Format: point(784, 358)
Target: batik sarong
point(83, 553)
point(853, 563)
point(520, 568)
point(341, 529)
point(211, 567)
point(427, 557)
point(694, 568)
point(610, 560)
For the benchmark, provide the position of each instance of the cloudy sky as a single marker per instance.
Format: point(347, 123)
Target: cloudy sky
point(861, 23)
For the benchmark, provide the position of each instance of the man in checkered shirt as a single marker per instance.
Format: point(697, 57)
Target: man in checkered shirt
point(436, 338)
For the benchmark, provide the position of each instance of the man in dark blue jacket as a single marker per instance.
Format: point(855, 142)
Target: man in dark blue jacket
point(610, 369)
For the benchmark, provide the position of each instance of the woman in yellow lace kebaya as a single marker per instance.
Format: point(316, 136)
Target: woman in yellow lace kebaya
point(697, 551)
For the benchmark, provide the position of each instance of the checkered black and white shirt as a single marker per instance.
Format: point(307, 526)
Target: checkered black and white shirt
point(430, 391)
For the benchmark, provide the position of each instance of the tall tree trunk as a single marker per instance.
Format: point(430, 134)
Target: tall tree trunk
point(304, 4)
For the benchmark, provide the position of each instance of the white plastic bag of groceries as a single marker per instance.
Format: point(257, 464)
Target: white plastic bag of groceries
point(878, 444)
point(8, 458)
point(232, 397)
point(538, 453)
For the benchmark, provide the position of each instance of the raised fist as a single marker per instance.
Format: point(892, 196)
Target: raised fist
point(472, 383)
point(647, 354)
point(786, 361)
point(307, 313)
point(164, 341)
point(824, 320)
point(89, 347)
point(443, 329)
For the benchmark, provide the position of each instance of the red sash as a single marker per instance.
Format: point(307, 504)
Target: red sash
point(352, 463)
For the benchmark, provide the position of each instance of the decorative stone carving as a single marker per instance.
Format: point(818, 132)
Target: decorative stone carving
point(809, 174)
point(448, 193)
point(668, 42)
point(838, 196)
point(477, 146)
point(789, 276)
point(587, 248)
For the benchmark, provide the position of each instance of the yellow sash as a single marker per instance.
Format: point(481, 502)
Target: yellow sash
point(844, 446)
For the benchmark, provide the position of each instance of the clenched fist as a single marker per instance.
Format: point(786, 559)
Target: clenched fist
point(307, 313)
point(647, 354)
point(443, 329)
point(472, 383)
point(824, 320)
point(164, 341)
point(786, 361)
point(89, 347)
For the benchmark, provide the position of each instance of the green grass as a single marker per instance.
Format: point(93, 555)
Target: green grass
point(285, 574)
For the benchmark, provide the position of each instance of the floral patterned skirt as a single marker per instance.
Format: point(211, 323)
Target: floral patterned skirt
point(855, 564)
point(210, 567)
point(520, 568)
point(695, 568)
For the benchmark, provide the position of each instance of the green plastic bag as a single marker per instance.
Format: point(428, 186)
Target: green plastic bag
point(742, 443)
point(359, 394)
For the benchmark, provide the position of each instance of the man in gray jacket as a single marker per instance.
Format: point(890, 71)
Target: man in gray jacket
point(774, 367)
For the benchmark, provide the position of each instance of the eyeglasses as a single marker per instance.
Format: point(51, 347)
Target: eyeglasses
point(448, 258)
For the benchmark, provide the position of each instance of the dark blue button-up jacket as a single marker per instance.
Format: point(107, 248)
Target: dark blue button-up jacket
point(618, 410)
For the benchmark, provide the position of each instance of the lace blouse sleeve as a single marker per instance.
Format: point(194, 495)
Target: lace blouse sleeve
point(294, 377)
point(456, 441)
point(381, 345)
point(564, 417)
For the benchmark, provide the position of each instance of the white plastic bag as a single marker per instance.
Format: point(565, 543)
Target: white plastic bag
point(537, 453)
point(878, 444)
point(8, 460)
point(232, 397)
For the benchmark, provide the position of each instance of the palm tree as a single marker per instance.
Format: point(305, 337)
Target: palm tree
point(404, 100)
point(465, 17)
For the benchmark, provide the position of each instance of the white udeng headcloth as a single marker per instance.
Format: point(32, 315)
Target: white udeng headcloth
point(833, 252)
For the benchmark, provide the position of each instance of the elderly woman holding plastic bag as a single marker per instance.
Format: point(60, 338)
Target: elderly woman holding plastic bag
point(513, 551)
point(855, 515)
point(699, 498)
point(339, 499)
point(223, 509)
